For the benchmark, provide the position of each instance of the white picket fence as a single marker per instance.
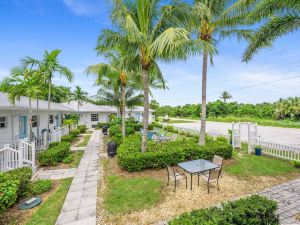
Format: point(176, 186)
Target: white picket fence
point(17, 155)
point(280, 150)
point(22, 153)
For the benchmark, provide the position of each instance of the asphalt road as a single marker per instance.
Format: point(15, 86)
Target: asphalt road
point(274, 134)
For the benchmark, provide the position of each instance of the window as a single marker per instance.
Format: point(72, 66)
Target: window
point(51, 119)
point(94, 117)
point(34, 121)
point(2, 122)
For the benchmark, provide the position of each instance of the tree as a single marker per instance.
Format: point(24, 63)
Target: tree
point(24, 81)
point(225, 95)
point(79, 96)
point(144, 28)
point(48, 66)
point(209, 21)
point(276, 17)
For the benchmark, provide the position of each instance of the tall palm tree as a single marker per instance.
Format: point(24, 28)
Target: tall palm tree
point(143, 27)
point(24, 82)
point(48, 66)
point(276, 17)
point(225, 95)
point(79, 96)
point(209, 21)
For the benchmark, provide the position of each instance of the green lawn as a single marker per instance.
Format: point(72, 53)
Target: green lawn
point(77, 155)
point(49, 210)
point(85, 141)
point(180, 121)
point(252, 165)
point(130, 194)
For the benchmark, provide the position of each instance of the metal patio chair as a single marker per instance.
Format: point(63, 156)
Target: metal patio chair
point(212, 177)
point(175, 176)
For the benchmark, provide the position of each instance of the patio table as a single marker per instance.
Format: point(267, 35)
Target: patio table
point(196, 167)
point(164, 138)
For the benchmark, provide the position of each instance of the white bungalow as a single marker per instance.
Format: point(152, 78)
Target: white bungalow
point(91, 114)
point(14, 118)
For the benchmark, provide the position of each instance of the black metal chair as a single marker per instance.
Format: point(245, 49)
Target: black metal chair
point(175, 176)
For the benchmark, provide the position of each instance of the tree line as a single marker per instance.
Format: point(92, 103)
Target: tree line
point(288, 108)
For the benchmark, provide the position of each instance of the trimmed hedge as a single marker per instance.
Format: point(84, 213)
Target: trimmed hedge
point(8, 191)
point(160, 155)
point(40, 186)
point(254, 210)
point(75, 133)
point(68, 138)
point(23, 175)
point(55, 154)
point(82, 128)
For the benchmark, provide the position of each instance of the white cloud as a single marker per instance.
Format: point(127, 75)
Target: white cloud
point(86, 7)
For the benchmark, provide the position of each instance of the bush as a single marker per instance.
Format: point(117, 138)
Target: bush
point(8, 191)
point(53, 144)
point(254, 210)
point(54, 155)
point(170, 153)
point(23, 175)
point(82, 128)
point(68, 138)
point(101, 125)
point(75, 133)
point(295, 163)
point(40, 186)
point(68, 159)
point(156, 124)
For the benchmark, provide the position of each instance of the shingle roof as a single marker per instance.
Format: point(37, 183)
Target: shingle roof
point(23, 104)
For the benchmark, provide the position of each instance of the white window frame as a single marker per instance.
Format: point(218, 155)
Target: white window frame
point(94, 117)
point(3, 122)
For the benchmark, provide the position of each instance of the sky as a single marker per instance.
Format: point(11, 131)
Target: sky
point(29, 27)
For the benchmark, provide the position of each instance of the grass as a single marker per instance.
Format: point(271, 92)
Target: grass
point(85, 141)
point(252, 165)
point(88, 132)
point(130, 194)
point(49, 210)
point(77, 155)
point(180, 121)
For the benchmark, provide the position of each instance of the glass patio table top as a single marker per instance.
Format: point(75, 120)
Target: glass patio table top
point(197, 166)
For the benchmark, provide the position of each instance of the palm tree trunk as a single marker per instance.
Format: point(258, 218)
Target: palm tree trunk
point(123, 105)
point(78, 113)
point(38, 119)
point(203, 104)
point(30, 121)
point(146, 107)
point(49, 98)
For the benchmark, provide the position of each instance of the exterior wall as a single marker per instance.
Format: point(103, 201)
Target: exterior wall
point(11, 132)
point(85, 119)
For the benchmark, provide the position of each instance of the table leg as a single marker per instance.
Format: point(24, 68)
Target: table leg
point(191, 181)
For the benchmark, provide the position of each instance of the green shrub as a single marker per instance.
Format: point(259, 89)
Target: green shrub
point(68, 159)
point(54, 155)
point(82, 128)
point(67, 138)
point(150, 127)
point(40, 186)
point(53, 144)
point(295, 163)
point(130, 130)
point(101, 125)
point(8, 191)
point(221, 139)
point(254, 210)
point(23, 175)
point(156, 124)
point(160, 155)
point(75, 133)
point(169, 128)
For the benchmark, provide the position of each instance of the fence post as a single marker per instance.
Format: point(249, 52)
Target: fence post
point(5, 166)
point(20, 155)
point(33, 154)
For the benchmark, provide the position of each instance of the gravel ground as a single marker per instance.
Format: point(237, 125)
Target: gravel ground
point(276, 134)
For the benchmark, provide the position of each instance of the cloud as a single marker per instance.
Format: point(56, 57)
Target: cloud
point(86, 7)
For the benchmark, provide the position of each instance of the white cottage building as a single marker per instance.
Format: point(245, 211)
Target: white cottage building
point(14, 118)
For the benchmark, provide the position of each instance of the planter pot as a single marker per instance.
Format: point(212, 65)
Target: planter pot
point(258, 151)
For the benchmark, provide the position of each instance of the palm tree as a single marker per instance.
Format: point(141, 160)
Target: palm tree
point(143, 27)
point(225, 95)
point(80, 96)
point(209, 21)
point(24, 82)
point(278, 18)
point(48, 66)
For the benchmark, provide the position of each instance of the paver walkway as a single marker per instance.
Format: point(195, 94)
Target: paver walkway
point(287, 196)
point(80, 203)
point(43, 174)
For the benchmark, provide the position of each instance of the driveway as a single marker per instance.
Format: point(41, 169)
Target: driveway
point(274, 134)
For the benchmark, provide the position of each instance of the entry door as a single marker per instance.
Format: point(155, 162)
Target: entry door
point(22, 127)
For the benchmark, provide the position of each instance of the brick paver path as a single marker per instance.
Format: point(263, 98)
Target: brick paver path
point(287, 196)
point(80, 203)
point(43, 174)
